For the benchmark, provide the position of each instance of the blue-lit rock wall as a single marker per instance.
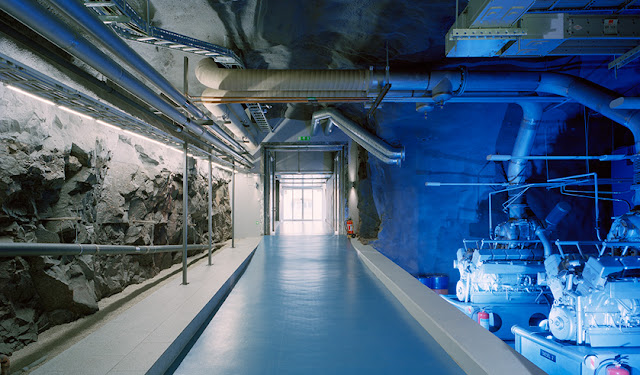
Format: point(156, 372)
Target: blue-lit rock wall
point(422, 227)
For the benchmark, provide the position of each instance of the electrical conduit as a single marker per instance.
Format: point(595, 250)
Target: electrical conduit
point(110, 40)
point(43, 22)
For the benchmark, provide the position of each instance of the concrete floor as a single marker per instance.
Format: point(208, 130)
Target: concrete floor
point(307, 305)
point(149, 336)
point(300, 228)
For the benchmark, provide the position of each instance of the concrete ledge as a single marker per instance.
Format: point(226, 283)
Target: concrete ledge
point(147, 338)
point(474, 349)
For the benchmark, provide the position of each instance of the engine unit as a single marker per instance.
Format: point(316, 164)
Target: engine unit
point(510, 271)
point(602, 306)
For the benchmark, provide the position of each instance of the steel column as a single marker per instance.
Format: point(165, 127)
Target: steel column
point(233, 206)
point(185, 213)
point(210, 210)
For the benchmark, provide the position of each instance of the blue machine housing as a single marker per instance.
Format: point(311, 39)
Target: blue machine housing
point(561, 357)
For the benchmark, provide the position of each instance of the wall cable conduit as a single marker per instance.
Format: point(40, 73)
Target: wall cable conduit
point(43, 22)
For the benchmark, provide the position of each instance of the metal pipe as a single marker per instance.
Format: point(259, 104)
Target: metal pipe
point(531, 114)
point(546, 244)
point(185, 213)
point(225, 114)
point(210, 216)
point(373, 144)
point(553, 157)
point(44, 23)
point(579, 320)
point(55, 249)
point(625, 103)
point(582, 91)
point(111, 41)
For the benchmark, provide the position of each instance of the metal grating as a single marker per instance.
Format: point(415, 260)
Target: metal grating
point(125, 21)
point(586, 6)
point(258, 115)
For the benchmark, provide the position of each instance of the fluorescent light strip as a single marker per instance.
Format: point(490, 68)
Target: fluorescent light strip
point(75, 112)
point(31, 95)
point(223, 167)
point(162, 144)
point(101, 122)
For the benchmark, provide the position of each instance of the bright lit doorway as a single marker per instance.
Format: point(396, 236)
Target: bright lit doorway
point(303, 192)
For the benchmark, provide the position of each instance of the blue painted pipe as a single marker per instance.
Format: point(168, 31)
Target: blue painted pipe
point(582, 91)
point(44, 23)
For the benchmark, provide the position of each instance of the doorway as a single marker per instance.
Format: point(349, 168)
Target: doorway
point(303, 192)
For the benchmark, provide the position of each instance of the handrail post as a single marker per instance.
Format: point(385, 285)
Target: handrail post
point(210, 211)
point(233, 206)
point(185, 213)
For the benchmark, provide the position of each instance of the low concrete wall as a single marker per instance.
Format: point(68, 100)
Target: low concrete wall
point(473, 348)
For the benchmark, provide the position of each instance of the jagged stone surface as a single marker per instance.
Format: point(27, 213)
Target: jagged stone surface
point(66, 192)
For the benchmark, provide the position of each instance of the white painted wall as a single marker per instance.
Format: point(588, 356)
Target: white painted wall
point(248, 205)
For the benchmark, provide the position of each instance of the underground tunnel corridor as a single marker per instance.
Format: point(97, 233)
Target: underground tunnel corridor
point(282, 186)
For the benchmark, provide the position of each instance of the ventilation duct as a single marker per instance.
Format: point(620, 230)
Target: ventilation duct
point(412, 86)
point(516, 172)
point(371, 143)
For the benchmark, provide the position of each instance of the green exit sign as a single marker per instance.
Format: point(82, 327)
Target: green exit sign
point(305, 138)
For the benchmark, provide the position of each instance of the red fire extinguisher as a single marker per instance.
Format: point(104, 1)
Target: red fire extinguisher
point(349, 227)
point(483, 319)
point(617, 369)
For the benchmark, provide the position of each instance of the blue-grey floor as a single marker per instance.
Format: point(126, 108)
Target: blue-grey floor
point(306, 305)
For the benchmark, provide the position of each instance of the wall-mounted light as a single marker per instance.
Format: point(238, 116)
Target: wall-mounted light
point(69, 110)
point(36, 97)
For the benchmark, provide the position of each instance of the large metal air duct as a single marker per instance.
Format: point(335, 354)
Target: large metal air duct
point(43, 22)
point(441, 85)
point(386, 153)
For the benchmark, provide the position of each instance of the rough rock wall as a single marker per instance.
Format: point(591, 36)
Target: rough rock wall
point(63, 180)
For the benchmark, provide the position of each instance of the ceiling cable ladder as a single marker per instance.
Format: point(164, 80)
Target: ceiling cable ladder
point(258, 115)
point(125, 21)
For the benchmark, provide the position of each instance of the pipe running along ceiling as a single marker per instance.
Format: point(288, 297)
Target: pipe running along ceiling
point(440, 85)
point(46, 24)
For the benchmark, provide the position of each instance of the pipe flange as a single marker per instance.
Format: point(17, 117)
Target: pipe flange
point(463, 80)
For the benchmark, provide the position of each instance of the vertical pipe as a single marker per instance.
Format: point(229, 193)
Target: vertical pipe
point(210, 211)
point(516, 172)
point(185, 213)
point(185, 77)
point(595, 184)
point(579, 321)
point(233, 206)
point(148, 25)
